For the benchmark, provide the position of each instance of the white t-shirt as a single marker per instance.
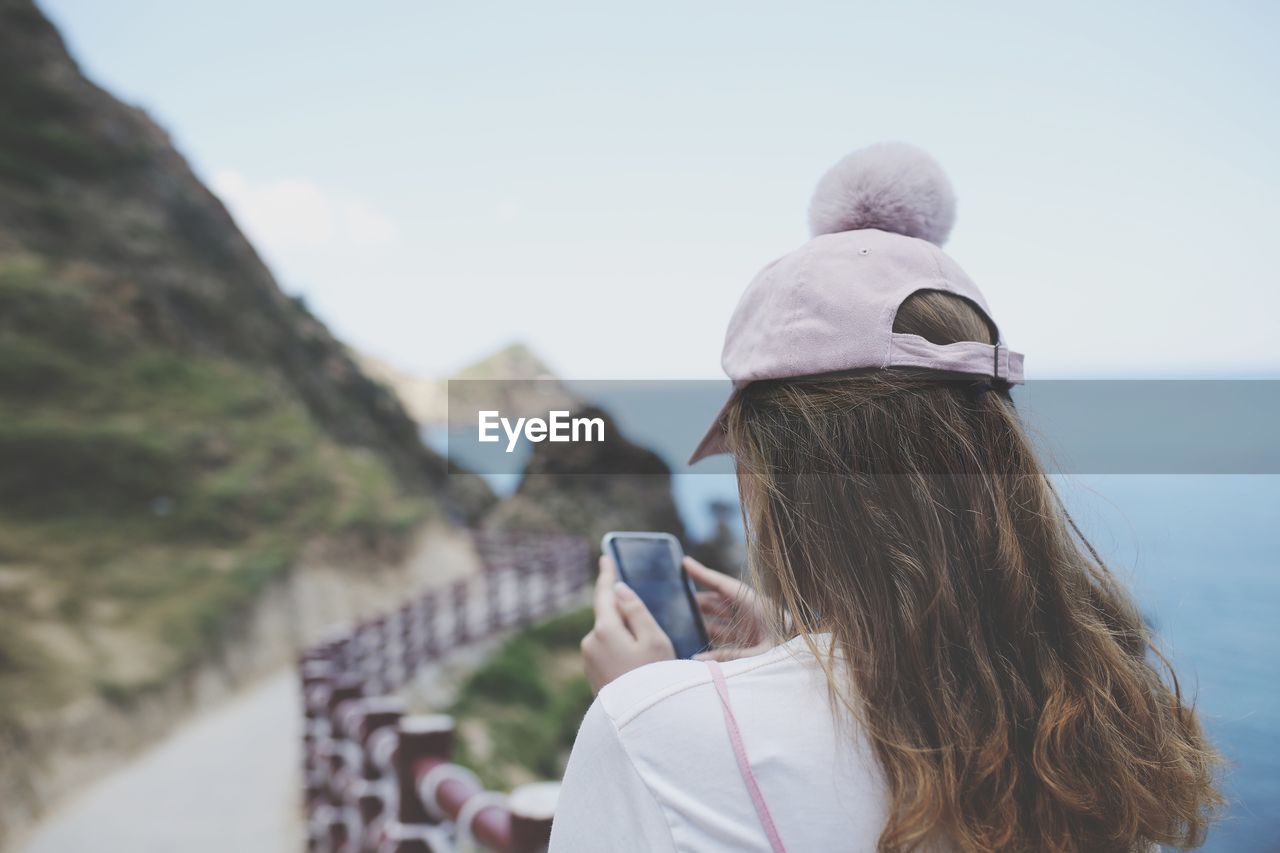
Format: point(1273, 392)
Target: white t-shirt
point(652, 769)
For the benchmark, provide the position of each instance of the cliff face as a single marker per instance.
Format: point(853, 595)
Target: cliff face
point(93, 193)
point(428, 401)
point(563, 488)
point(173, 428)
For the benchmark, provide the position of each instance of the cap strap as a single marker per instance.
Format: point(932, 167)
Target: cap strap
point(979, 359)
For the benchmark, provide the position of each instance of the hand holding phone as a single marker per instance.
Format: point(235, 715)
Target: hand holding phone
point(651, 565)
point(625, 635)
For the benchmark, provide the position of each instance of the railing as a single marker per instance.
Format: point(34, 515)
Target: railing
point(379, 780)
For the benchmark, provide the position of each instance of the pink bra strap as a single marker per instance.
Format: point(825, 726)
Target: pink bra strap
point(744, 764)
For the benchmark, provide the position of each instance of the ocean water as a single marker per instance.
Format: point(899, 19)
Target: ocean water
point(1203, 556)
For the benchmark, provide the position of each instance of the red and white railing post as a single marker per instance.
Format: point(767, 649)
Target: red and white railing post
point(378, 780)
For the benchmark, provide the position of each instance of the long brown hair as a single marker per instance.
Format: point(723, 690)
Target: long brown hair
point(1010, 687)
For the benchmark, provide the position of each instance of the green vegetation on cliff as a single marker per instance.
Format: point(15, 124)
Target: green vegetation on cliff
point(173, 428)
point(147, 494)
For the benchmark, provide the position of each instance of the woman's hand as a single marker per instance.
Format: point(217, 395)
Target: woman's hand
point(625, 635)
point(733, 612)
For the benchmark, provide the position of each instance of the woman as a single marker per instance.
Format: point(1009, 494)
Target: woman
point(936, 660)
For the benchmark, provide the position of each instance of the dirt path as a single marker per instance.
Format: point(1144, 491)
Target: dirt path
point(227, 780)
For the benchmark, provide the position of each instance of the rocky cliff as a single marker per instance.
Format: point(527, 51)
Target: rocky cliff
point(563, 488)
point(174, 429)
point(427, 399)
point(110, 245)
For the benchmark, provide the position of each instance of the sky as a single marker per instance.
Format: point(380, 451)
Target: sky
point(602, 180)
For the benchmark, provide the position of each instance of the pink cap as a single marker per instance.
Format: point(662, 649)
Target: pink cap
point(879, 216)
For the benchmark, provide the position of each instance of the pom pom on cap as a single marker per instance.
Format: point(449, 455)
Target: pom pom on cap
point(891, 186)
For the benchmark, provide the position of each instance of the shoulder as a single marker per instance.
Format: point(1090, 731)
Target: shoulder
point(663, 727)
point(643, 689)
point(680, 687)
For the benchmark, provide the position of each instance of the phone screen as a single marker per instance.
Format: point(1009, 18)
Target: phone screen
point(648, 566)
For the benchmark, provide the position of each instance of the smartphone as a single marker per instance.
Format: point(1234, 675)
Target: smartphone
point(651, 564)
